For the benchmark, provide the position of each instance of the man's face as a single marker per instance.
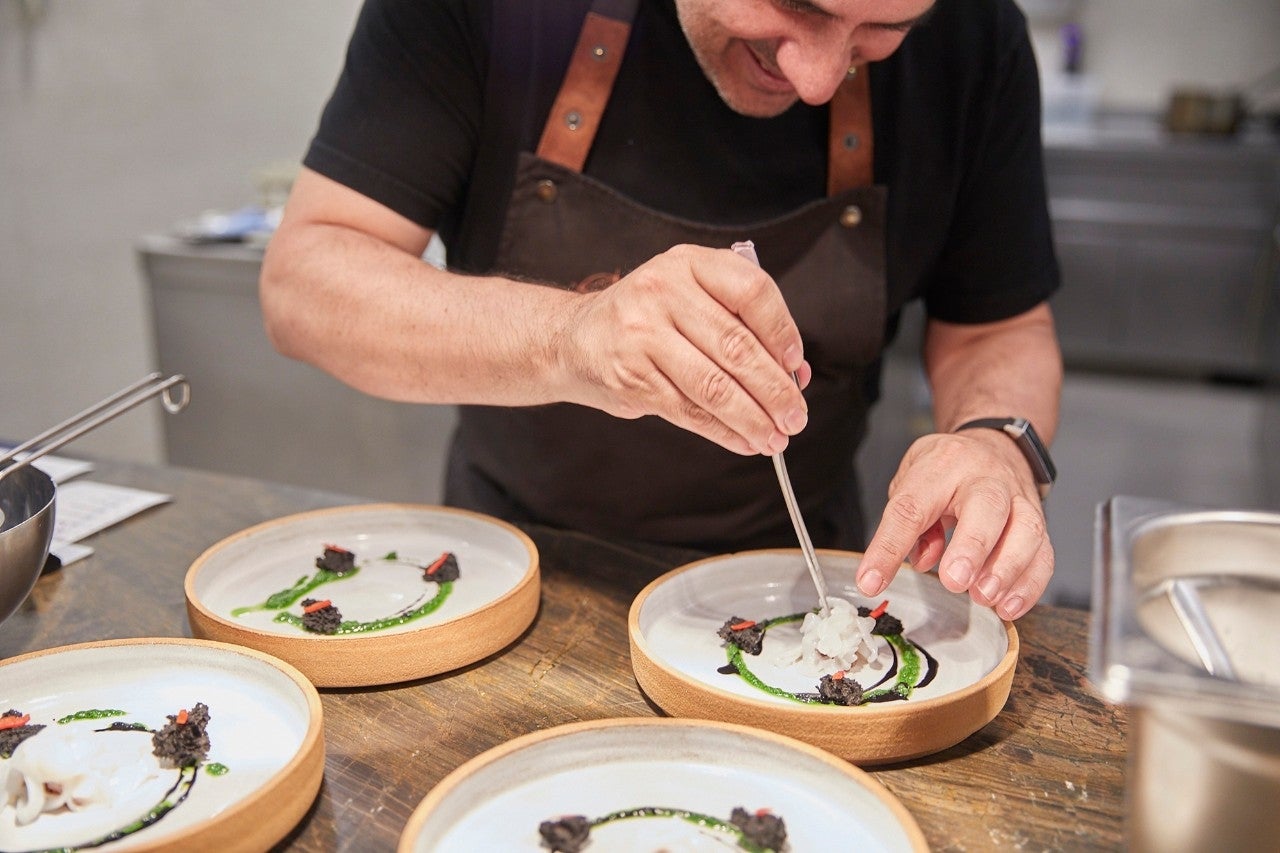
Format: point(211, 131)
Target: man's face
point(764, 55)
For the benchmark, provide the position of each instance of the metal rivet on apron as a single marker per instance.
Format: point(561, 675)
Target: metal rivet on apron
point(598, 52)
point(573, 119)
point(851, 216)
point(851, 141)
point(547, 190)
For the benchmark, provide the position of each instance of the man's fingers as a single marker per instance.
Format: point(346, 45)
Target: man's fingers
point(700, 396)
point(715, 326)
point(750, 334)
point(761, 306)
point(982, 509)
point(1020, 545)
point(904, 521)
point(998, 550)
point(928, 548)
point(666, 400)
point(1030, 585)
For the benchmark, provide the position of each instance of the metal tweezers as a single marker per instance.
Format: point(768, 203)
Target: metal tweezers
point(748, 250)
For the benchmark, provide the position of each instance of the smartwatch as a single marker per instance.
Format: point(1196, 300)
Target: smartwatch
point(1024, 435)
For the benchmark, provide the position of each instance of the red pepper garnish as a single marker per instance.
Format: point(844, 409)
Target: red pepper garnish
point(181, 719)
point(336, 548)
point(837, 675)
point(762, 812)
point(317, 605)
point(743, 625)
point(13, 721)
point(879, 611)
point(435, 567)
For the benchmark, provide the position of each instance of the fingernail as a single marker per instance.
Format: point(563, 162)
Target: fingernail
point(777, 443)
point(989, 587)
point(795, 420)
point(961, 573)
point(792, 358)
point(1012, 608)
point(872, 583)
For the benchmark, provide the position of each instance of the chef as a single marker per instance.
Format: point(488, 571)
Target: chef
point(620, 370)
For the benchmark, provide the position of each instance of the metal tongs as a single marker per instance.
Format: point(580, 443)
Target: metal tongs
point(77, 425)
point(748, 250)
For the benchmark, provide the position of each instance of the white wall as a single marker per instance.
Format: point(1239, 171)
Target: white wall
point(1137, 51)
point(118, 118)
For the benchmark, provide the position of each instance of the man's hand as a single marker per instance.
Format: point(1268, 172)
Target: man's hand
point(977, 485)
point(698, 336)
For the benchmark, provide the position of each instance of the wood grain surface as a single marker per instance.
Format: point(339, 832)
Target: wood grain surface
point(1046, 774)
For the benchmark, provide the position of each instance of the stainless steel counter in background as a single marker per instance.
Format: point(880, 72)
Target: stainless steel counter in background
point(256, 413)
point(1168, 248)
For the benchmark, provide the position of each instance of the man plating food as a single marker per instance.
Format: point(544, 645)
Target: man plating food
point(875, 151)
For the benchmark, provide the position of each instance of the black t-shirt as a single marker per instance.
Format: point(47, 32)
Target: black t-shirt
point(437, 98)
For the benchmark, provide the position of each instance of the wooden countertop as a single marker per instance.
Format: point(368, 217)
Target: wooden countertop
point(1046, 774)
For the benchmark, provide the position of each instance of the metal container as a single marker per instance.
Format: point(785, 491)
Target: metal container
point(26, 504)
point(1186, 631)
point(28, 495)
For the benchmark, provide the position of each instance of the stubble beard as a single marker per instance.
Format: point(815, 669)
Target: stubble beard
point(722, 80)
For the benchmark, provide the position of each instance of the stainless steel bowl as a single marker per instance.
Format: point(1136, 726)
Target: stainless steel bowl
point(26, 499)
point(27, 493)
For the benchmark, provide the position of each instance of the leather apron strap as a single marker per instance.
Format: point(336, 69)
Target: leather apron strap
point(584, 93)
point(850, 154)
point(576, 112)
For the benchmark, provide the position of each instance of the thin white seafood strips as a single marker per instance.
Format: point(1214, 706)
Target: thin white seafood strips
point(841, 640)
point(76, 769)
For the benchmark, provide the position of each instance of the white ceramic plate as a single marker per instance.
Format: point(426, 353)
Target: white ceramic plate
point(497, 800)
point(676, 653)
point(491, 603)
point(264, 728)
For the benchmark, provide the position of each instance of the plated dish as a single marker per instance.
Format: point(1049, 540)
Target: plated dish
point(155, 744)
point(644, 784)
point(941, 665)
point(371, 594)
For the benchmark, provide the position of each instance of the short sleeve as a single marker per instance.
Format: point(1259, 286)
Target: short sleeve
point(998, 259)
point(402, 124)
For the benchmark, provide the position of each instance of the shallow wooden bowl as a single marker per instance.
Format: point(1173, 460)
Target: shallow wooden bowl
point(487, 608)
point(497, 800)
point(675, 654)
point(265, 729)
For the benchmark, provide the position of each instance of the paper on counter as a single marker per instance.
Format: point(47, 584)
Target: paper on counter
point(69, 552)
point(85, 507)
point(59, 468)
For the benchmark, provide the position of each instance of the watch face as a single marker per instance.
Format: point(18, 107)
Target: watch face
point(1033, 448)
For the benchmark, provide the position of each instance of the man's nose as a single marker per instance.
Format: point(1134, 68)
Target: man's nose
point(815, 67)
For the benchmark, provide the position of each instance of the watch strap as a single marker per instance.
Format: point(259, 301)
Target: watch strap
point(1029, 443)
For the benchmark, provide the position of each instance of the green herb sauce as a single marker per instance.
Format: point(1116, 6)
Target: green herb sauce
point(697, 819)
point(91, 714)
point(302, 586)
point(905, 681)
point(352, 626)
point(181, 788)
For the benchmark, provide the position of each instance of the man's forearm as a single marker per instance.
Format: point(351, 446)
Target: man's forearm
point(1012, 367)
point(391, 325)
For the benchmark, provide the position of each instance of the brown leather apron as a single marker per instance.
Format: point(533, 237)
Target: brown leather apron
point(575, 467)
